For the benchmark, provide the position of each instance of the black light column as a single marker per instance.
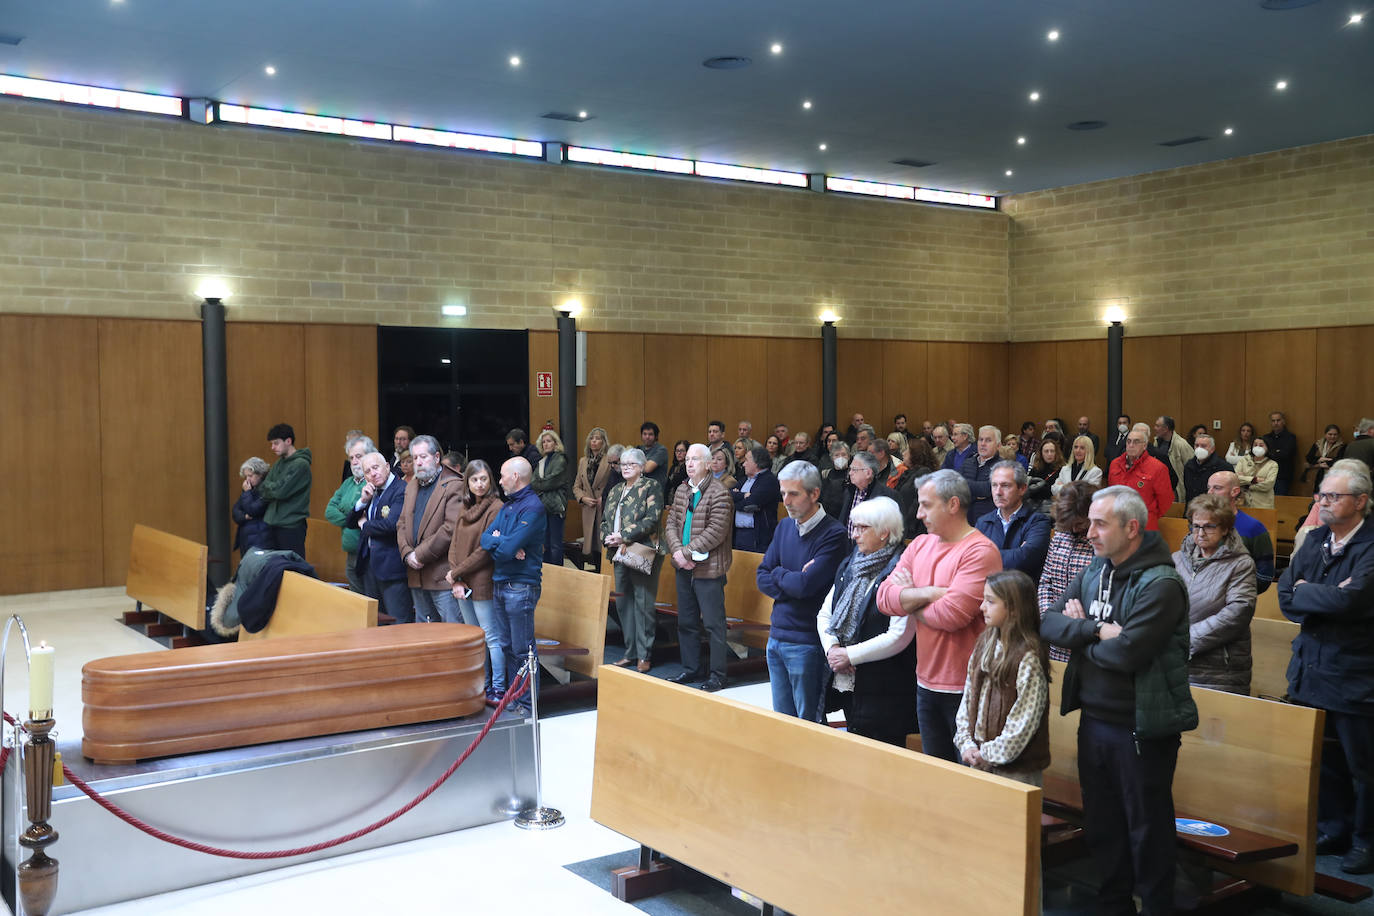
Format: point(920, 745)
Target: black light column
point(567, 381)
point(216, 390)
point(1114, 335)
point(828, 346)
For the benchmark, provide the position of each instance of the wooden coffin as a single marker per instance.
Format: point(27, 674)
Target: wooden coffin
point(180, 701)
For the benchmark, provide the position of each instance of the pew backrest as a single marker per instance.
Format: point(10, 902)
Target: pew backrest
point(168, 574)
point(808, 818)
point(306, 605)
point(1289, 513)
point(572, 609)
point(1271, 648)
point(744, 601)
point(324, 547)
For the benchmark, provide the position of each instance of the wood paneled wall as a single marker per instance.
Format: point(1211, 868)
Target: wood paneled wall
point(1315, 376)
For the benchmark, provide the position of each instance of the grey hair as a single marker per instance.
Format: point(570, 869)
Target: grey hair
point(866, 428)
point(839, 445)
point(1358, 480)
point(1365, 425)
point(254, 465)
point(1349, 464)
point(804, 471)
point(965, 428)
point(1126, 505)
point(428, 442)
point(1207, 436)
point(867, 459)
point(701, 449)
point(613, 452)
point(368, 444)
point(632, 456)
point(1018, 473)
point(882, 515)
point(949, 484)
point(351, 436)
point(996, 433)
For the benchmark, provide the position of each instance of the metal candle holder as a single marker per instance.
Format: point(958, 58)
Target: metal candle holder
point(38, 873)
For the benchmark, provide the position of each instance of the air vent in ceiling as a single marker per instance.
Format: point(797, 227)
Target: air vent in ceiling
point(913, 163)
point(564, 116)
point(1184, 141)
point(1285, 4)
point(10, 39)
point(726, 63)
point(1086, 125)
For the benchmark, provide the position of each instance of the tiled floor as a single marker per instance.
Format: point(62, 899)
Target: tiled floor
point(496, 868)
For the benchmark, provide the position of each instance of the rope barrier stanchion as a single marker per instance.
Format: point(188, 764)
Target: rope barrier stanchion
point(538, 817)
point(517, 690)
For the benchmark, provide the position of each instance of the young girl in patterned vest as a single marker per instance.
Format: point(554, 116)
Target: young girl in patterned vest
point(1003, 721)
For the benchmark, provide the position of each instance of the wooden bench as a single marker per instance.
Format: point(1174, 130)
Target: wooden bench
point(181, 701)
point(1251, 766)
point(306, 605)
point(1289, 511)
point(570, 621)
point(1271, 648)
point(802, 816)
point(748, 611)
point(167, 575)
point(324, 550)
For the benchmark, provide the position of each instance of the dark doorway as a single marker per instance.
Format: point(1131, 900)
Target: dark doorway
point(465, 387)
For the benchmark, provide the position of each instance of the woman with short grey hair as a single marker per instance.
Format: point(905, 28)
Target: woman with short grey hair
point(630, 529)
point(872, 655)
point(250, 508)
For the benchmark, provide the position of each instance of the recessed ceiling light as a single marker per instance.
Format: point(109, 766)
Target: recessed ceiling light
point(1035, 96)
point(1020, 141)
point(1053, 35)
point(1356, 18)
point(514, 61)
point(1281, 85)
point(807, 104)
point(1229, 131)
point(445, 360)
point(270, 70)
point(776, 48)
point(822, 147)
point(582, 114)
point(1008, 173)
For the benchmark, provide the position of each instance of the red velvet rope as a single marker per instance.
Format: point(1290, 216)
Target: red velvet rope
point(517, 689)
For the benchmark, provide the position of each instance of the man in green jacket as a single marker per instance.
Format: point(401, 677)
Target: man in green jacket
point(287, 490)
point(1125, 618)
point(341, 503)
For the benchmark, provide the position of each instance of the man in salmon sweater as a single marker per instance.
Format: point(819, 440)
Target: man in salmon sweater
point(939, 582)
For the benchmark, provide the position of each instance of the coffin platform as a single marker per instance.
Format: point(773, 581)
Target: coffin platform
point(184, 701)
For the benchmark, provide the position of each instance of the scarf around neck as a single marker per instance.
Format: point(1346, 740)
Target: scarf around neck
point(847, 608)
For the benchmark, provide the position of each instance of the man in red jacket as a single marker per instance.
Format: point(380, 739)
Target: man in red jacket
point(1145, 474)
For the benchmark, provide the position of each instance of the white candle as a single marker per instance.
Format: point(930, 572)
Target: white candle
point(40, 681)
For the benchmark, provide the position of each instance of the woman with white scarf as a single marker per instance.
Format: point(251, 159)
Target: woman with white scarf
point(873, 656)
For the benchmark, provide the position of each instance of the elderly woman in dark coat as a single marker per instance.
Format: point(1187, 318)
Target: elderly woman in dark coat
point(872, 655)
point(250, 508)
point(1220, 576)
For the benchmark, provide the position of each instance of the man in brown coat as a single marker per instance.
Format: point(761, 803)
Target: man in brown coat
point(433, 500)
point(698, 540)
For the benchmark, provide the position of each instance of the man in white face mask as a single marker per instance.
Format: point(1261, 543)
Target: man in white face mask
point(1204, 463)
point(1116, 442)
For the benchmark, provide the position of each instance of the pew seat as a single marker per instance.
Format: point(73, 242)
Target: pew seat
point(167, 574)
point(181, 701)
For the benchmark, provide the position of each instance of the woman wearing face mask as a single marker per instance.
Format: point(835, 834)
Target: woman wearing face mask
point(470, 569)
point(834, 478)
point(1257, 473)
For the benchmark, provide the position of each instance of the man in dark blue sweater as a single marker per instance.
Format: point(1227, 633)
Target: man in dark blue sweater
point(515, 540)
point(1020, 531)
point(797, 572)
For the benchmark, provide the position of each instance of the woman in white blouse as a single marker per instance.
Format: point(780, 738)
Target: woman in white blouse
point(1081, 467)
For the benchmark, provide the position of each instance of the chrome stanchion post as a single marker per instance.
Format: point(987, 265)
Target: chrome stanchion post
point(538, 817)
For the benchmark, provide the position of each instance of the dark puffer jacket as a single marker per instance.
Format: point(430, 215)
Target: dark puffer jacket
point(1221, 603)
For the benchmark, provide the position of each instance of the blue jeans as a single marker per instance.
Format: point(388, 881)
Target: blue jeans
point(798, 674)
point(435, 605)
point(513, 611)
point(553, 539)
point(481, 614)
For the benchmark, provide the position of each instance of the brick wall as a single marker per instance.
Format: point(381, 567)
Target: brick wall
point(1272, 241)
point(115, 214)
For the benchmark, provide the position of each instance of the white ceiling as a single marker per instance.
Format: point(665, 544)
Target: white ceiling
point(889, 79)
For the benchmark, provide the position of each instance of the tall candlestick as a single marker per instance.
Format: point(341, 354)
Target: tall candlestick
point(40, 681)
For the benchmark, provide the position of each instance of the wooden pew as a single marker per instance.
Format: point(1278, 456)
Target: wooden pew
point(802, 816)
point(306, 605)
point(1271, 648)
point(167, 574)
point(570, 619)
point(1267, 604)
point(1173, 530)
point(1289, 514)
point(1251, 765)
point(748, 611)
